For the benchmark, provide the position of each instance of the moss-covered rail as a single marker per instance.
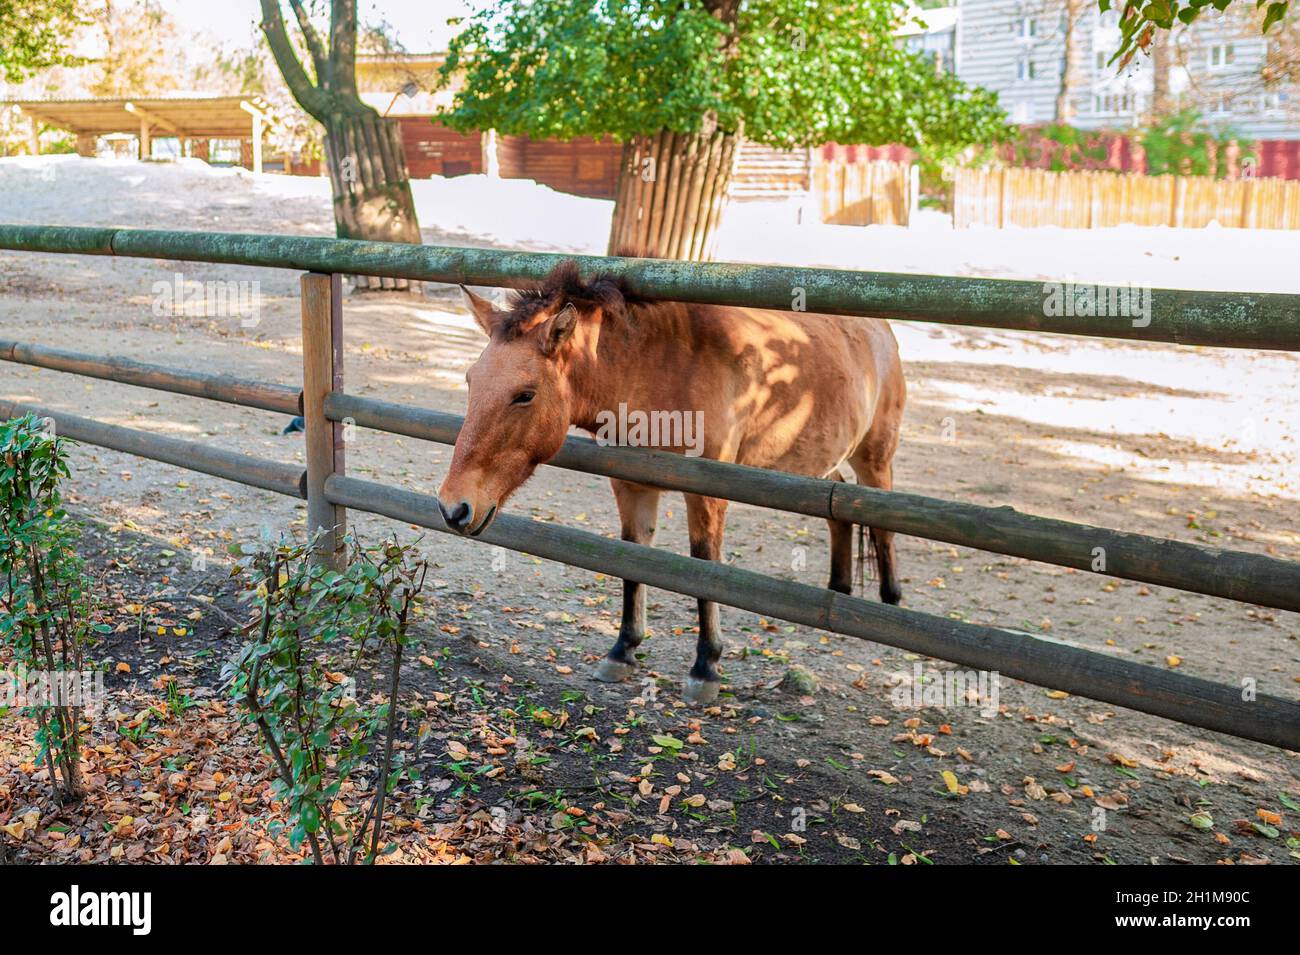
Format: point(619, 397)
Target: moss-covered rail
point(1226, 319)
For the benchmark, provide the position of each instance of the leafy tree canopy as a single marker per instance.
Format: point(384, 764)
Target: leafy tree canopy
point(34, 35)
point(1139, 19)
point(791, 72)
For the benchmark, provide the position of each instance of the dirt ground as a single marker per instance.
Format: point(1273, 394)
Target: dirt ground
point(1186, 443)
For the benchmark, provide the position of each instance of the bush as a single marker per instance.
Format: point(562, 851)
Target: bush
point(1179, 146)
point(45, 595)
point(291, 682)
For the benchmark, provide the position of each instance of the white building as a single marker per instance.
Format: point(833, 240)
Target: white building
point(1016, 48)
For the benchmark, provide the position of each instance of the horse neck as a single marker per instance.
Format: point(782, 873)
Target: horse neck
point(627, 360)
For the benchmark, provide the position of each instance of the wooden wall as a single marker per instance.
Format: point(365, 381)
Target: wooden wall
point(765, 172)
point(434, 150)
point(582, 166)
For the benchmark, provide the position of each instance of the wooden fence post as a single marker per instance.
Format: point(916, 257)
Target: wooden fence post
point(322, 372)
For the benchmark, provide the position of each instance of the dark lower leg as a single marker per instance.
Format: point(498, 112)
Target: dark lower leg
point(639, 509)
point(706, 519)
point(890, 591)
point(708, 649)
point(632, 630)
point(841, 557)
point(875, 469)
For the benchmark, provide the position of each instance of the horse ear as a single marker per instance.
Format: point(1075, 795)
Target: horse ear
point(484, 312)
point(559, 329)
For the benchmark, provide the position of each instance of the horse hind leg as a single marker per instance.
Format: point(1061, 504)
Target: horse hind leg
point(706, 519)
point(877, 470)
point(638, 509)
point(841, 552)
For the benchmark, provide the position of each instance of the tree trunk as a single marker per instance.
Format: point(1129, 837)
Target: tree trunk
point(363, 151)
point(371, 186)
point(1072, 78)
point(671, 191)
point(1162, 54)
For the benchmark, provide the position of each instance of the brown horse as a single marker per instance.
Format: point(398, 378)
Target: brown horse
point(795, 392)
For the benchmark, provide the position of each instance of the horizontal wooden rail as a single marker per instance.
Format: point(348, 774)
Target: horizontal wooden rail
point(1191, 700)
point(1236, 575)
point(227, 388)
point(240, 468)
point(1228, 319)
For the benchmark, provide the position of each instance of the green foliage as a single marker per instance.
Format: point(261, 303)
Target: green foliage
point(1064, 146)
point(790, 72)
point(313, 627)
point(1139, 19)
point(1179, 146)
point(807, 73)
point(559, 69)
point(34, 35)
point(45, 596)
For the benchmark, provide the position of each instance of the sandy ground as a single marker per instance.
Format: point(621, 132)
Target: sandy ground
point(1187, 443)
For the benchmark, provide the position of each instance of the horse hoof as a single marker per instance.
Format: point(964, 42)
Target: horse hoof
point(700, 692)
point(613, 671)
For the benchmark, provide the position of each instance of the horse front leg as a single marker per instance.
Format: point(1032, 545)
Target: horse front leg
point(706, 519)
point(638, 510)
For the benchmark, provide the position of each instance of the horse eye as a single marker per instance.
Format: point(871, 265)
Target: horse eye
point(523, 397)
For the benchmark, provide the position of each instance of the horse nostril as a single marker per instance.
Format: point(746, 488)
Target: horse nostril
point(458, 517)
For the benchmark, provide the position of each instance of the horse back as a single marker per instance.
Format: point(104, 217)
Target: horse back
point(795, 391)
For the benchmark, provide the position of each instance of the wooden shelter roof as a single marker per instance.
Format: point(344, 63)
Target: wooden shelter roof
point(197, 117)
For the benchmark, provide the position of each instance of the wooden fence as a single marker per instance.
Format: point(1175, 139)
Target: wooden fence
point(1092, 200)
point(1209, 317)
point(877, 192)
point(845, 191)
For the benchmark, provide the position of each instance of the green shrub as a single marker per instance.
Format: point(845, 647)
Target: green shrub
point(45, 596)
point(312, 627)
point(1178, 145)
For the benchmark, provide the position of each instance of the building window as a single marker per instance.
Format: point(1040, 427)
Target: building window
point(1272, 102)
point(1112, 103)
point(1222, 55)
point(1024, 69)
point(1027, 28)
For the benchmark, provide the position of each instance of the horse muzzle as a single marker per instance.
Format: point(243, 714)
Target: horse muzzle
point(462, 519)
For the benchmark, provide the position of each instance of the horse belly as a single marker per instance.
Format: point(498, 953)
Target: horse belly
point(805, 409)
point(814, 441)
point(820, 447)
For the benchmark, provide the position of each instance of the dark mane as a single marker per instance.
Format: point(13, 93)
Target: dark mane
point(563, 285)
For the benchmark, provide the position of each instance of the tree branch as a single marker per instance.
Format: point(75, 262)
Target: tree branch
point(311, 98)
point(343, 47)
point(319, 58)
